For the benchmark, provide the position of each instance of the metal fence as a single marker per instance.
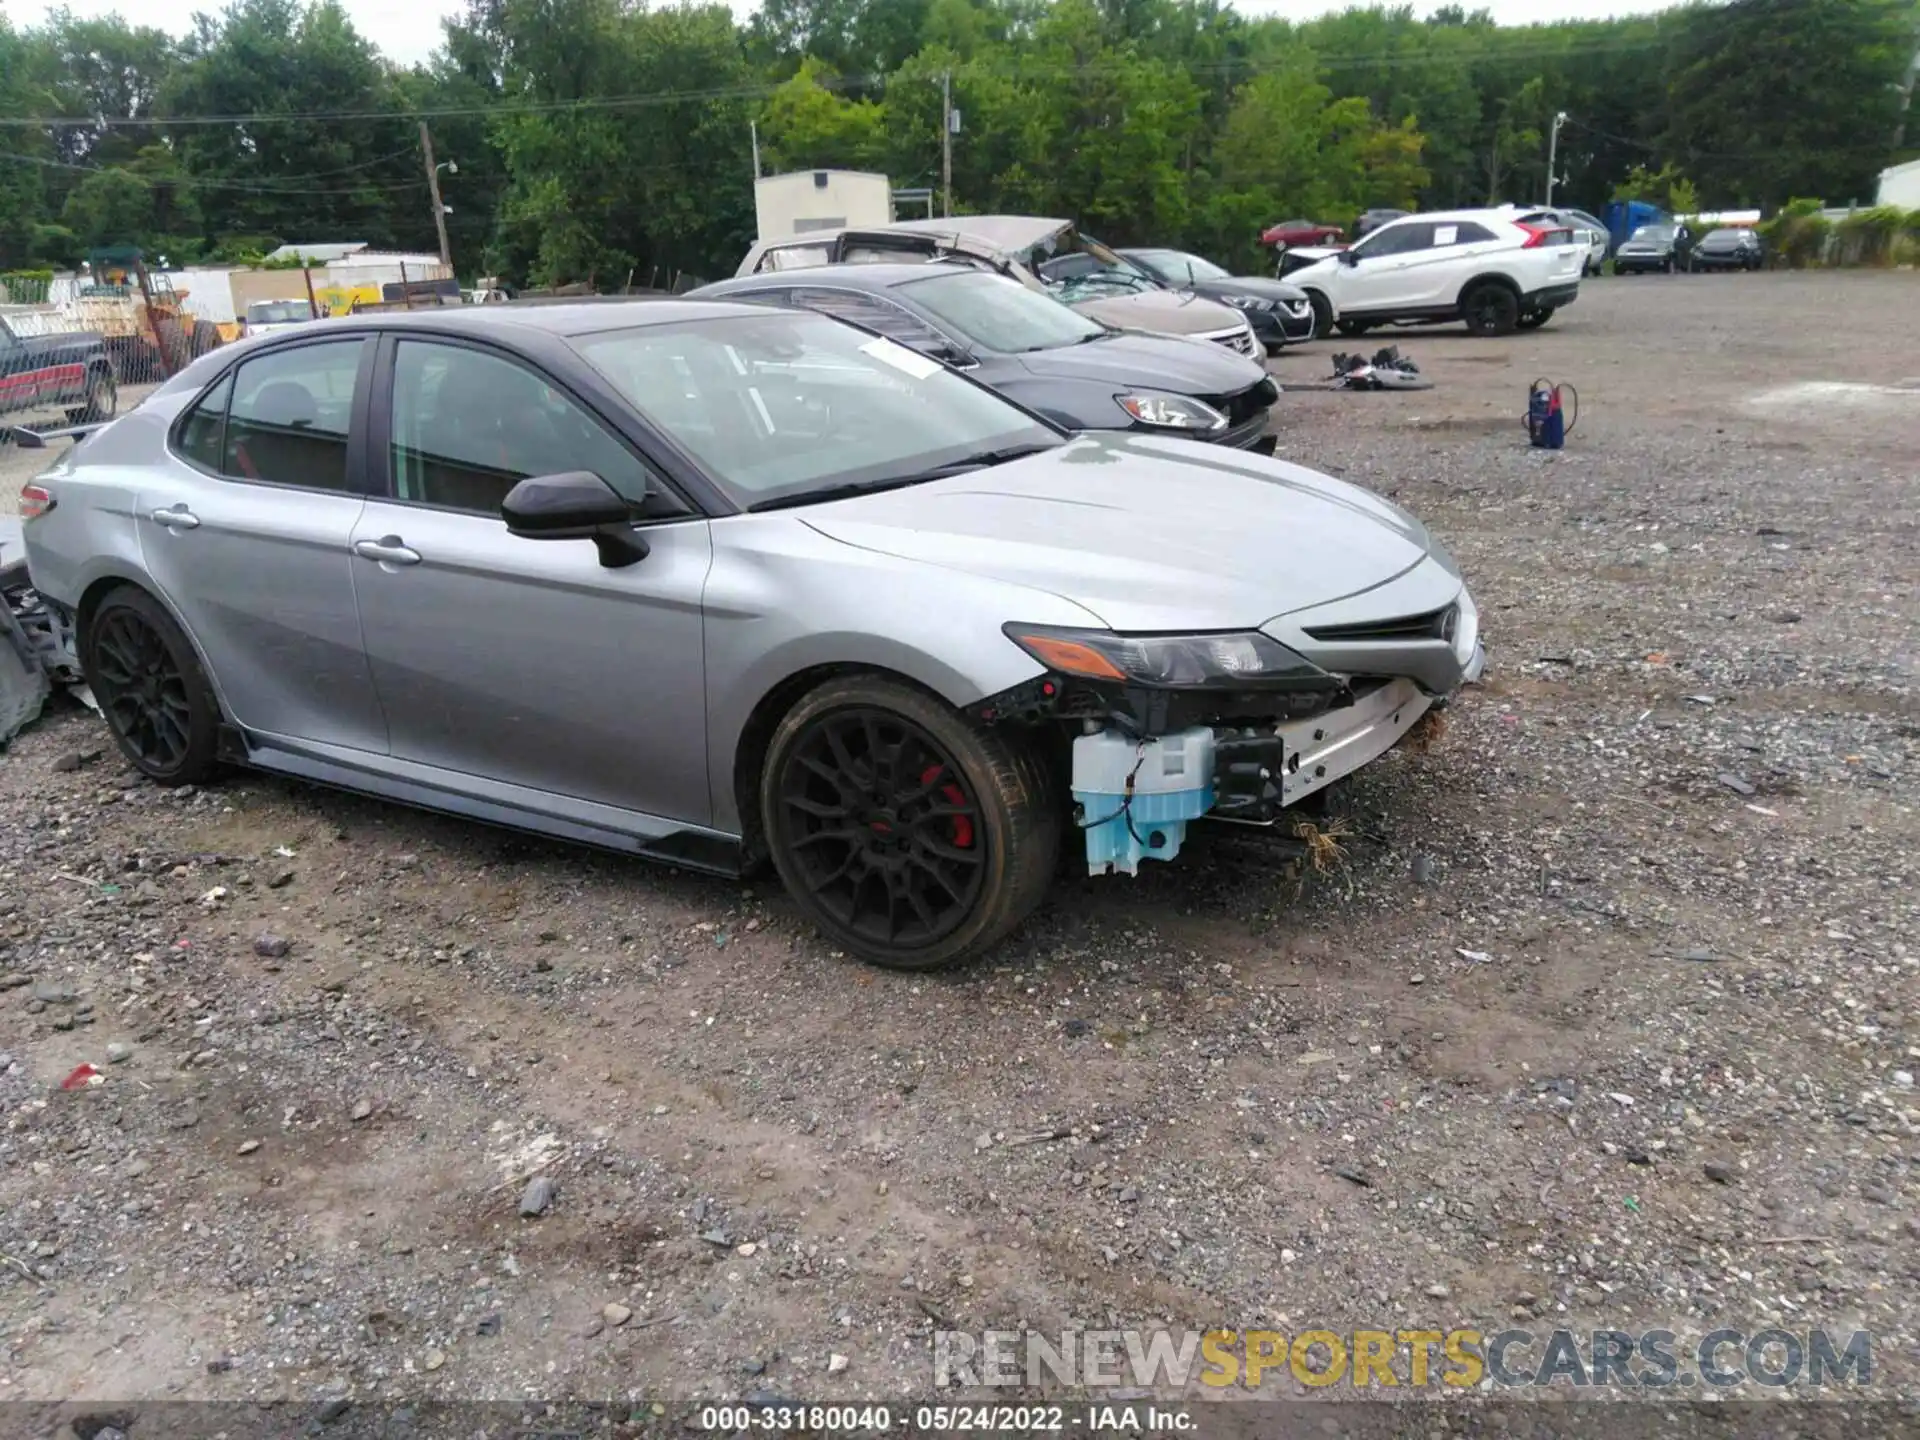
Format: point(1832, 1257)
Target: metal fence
point(68, 349)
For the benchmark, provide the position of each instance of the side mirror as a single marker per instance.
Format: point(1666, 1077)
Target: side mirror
point(575, 505)
point(1349, 258)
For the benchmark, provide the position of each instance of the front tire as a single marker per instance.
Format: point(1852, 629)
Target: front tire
point(1322, 314)
point(1353, 327)
point(157, 700)
point(1534, 319)
point(1490, 309)
point(912, 837)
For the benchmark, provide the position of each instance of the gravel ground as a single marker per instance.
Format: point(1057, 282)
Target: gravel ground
point(1608, 1016)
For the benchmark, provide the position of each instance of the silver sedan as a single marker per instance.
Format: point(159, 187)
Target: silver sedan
point(719, 585)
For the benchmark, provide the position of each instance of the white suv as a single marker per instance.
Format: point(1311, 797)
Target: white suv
point(1486, 267)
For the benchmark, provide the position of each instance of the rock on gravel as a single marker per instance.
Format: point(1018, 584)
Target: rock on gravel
point(538, 1196)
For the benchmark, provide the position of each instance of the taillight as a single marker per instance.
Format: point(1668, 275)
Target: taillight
point(1537, 234)
point(35, 501)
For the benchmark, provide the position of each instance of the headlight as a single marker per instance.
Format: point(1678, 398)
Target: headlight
point(1245, 302)
point(1245, 659)
point(1172, 412)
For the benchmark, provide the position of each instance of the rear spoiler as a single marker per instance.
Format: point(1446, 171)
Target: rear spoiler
point(37, 439)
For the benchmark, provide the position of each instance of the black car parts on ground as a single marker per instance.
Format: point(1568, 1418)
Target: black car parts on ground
point(1058, 363)
point(1278, 310)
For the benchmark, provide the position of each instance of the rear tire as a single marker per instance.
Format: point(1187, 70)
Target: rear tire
point(1353, 327)
point(910, 836)
point(103, 399)
point(157, 700)
point(1490, 309)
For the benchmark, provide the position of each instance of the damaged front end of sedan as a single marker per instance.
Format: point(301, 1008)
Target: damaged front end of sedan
point(1164, 730)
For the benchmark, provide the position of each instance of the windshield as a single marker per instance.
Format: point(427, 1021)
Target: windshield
point(1179, 266)
point(1725, 240)
point(1654, 233)
point(780, 404)
point(278, 312)
point(999, 314)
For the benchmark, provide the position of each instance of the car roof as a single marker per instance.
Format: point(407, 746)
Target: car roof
point(1003, 232)
point(583, 316)
point(878, 276)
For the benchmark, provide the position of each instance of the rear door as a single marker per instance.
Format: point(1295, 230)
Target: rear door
point(526, 663)
point(244, 530)
point(1452, 256)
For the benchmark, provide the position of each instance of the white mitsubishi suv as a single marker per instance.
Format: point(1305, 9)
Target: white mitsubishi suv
point(1489, 268)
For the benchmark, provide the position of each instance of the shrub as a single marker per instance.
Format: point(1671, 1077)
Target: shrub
point(1866, 236)
point(1798, 235)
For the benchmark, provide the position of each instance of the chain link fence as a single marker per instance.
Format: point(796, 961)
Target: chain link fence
point(72, 351)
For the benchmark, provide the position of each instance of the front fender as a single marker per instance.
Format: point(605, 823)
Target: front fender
point(783, 599)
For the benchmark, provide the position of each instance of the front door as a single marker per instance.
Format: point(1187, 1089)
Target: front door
point(244, 530)
point(525, 662)
point(1385, 273)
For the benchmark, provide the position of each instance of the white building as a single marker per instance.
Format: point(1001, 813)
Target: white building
point(806, 200)
point(1900, 185)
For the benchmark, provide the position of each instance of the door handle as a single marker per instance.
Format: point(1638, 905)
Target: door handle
point(388, 550)
point(177, 517)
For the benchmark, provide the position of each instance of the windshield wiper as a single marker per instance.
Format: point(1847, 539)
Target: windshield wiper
point(837, 492)
point(979, 460)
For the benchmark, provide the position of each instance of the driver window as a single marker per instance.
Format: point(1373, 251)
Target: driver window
point(468, 426)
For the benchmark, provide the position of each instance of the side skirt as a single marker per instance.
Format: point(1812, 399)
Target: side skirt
point(514, 807)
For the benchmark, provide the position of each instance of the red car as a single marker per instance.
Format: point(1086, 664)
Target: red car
point(1300, 232)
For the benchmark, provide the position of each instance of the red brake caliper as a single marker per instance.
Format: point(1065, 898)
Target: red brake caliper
point(962, 828)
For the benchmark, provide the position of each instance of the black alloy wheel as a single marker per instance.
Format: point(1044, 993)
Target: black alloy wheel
point(1490, 309)
point(151, 689)
point(884, 827)
point(910, 835)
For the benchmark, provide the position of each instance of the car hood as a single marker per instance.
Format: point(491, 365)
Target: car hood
point(1148, 362)
point(1164, 312)
point(1645, 247)
point(1146, 534)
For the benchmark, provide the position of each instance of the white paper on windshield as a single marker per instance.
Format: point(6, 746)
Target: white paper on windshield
point(1445, 234)
point(901, 358)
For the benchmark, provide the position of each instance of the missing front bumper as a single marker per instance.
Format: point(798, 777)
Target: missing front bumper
point(1134, 798)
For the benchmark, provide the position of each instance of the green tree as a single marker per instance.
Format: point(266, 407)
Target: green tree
point(807, 126)
point(1772, 98)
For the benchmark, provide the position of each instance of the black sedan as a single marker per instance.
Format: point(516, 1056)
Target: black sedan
point(1733, 248)
point(1058, 363)
point(1278, 310)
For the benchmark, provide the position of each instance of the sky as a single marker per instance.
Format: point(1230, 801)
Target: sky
point(409, 32)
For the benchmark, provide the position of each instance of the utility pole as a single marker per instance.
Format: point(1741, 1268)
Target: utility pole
point(946, 142)
point(433, 189)
point(753, 130)
point(1553, 151)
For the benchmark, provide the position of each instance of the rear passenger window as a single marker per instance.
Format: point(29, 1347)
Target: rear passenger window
point(875, 314)
point(200, 433)
point(288, 419)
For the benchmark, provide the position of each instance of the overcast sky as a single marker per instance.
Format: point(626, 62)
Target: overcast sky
point(408, 32)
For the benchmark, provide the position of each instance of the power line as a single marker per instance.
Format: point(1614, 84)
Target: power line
point(195, 183)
